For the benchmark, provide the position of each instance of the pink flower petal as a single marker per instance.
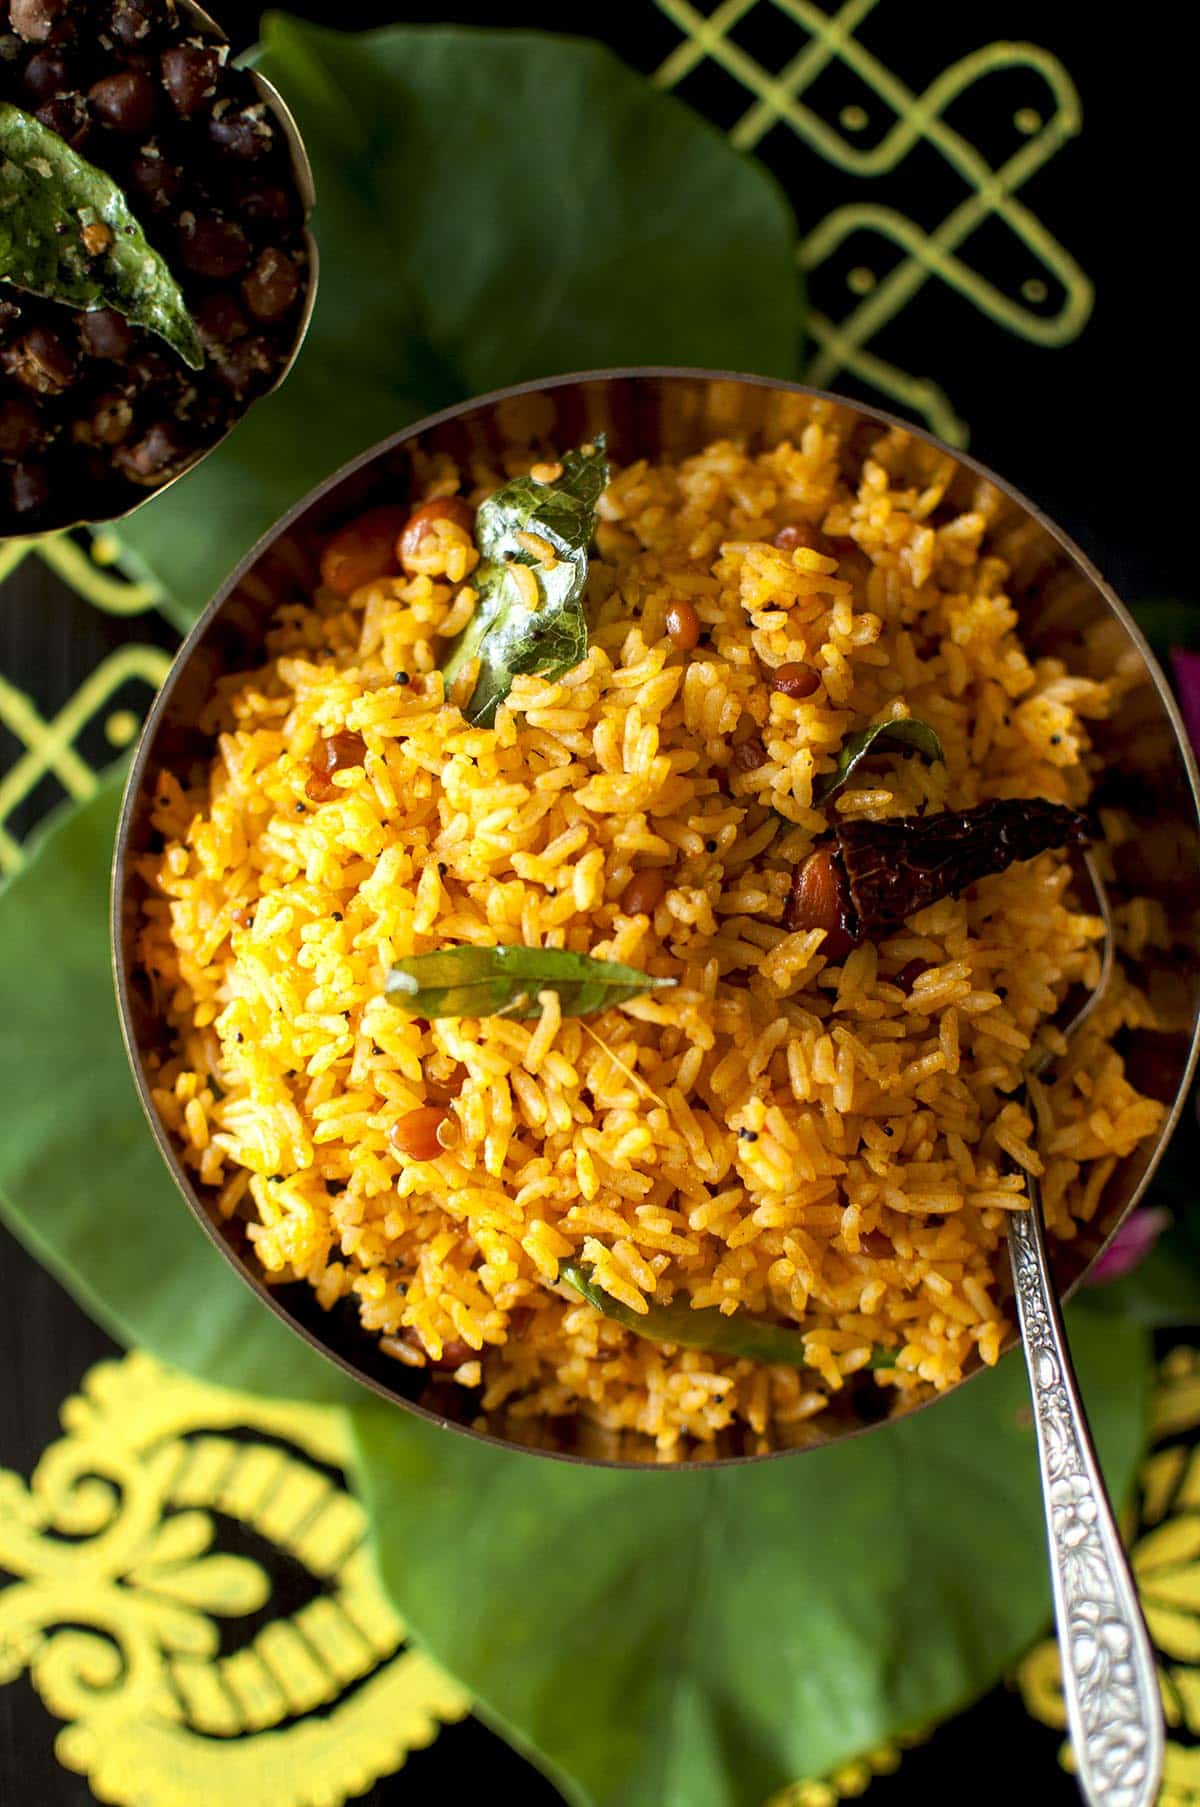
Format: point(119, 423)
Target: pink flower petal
point(1132, 1242)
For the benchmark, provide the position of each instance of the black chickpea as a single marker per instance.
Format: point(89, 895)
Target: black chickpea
point(45, 74)
point(40, 361)
point(154, 177)
point(241, 131)
point(68, 115)
point(20, 427)
point(36, 20)
point(189, 73)
point(133, 24)
point(213, 247)
point(268, 206)
point(105, 334)
point(146, 461)
point(244, 365)
point(125, 102)
point(272, 286)
point(150, 370)
point(220, 319)
point(109, 423)
point(28, 488)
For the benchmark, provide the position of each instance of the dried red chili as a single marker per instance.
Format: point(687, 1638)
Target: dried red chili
point(884, 872)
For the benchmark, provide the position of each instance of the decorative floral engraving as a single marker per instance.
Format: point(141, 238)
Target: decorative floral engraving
point(1108, 1678)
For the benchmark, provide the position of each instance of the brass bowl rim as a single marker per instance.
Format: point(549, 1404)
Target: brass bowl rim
point(137, 772)
point(302, 175)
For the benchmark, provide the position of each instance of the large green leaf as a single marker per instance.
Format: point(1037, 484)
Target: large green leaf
point(492, 206)
point(81, 1181)
point(704, 1638)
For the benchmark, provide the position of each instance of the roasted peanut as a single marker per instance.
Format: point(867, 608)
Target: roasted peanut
point(683, 625)
point(794, 680)
point(362, 550)
point(421, 523)
point(644, 892)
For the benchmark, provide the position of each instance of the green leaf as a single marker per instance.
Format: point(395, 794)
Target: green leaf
point(82, 1183)
point(1162, 1292)
point(1168, 622)
point(492, 206)
point(704, 1329)
point(505, 981)
point(48, 194)
point(505, 633)
point(907, 735)
point(709, 1637)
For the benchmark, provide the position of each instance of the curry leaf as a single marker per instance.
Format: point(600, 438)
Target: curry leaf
point(512, 631)
point(904, 735)
point(706, 1328)
point(49, 194)
point(505, 981)
point(711, 1637)
point(557, 212)
point(82, 1183)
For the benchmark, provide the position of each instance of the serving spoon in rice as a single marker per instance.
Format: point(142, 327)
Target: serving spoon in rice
point(1109, 1679)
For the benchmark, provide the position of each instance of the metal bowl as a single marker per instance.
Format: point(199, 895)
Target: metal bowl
point(206, 26)
point(1061, 598)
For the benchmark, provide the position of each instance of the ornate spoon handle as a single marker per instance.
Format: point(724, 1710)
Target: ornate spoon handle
point(1109, 1682)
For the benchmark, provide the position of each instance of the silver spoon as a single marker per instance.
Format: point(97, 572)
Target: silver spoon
point(1110, 1684)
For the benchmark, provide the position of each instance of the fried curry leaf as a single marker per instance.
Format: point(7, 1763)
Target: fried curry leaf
point(611, 226)
point(49, 195)
point(531, 619)
point(905, 735)
point(711, 1636)
point(704, 1329)
point(505, 981)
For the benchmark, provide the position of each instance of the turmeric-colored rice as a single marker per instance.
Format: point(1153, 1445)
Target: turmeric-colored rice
point(777, 1135)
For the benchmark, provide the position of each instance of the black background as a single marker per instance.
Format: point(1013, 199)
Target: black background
point(1100, 432)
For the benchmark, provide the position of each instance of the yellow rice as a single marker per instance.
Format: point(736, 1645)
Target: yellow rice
point(775, 1135)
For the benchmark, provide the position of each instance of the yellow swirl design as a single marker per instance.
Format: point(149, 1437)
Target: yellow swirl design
point(123, 1595)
